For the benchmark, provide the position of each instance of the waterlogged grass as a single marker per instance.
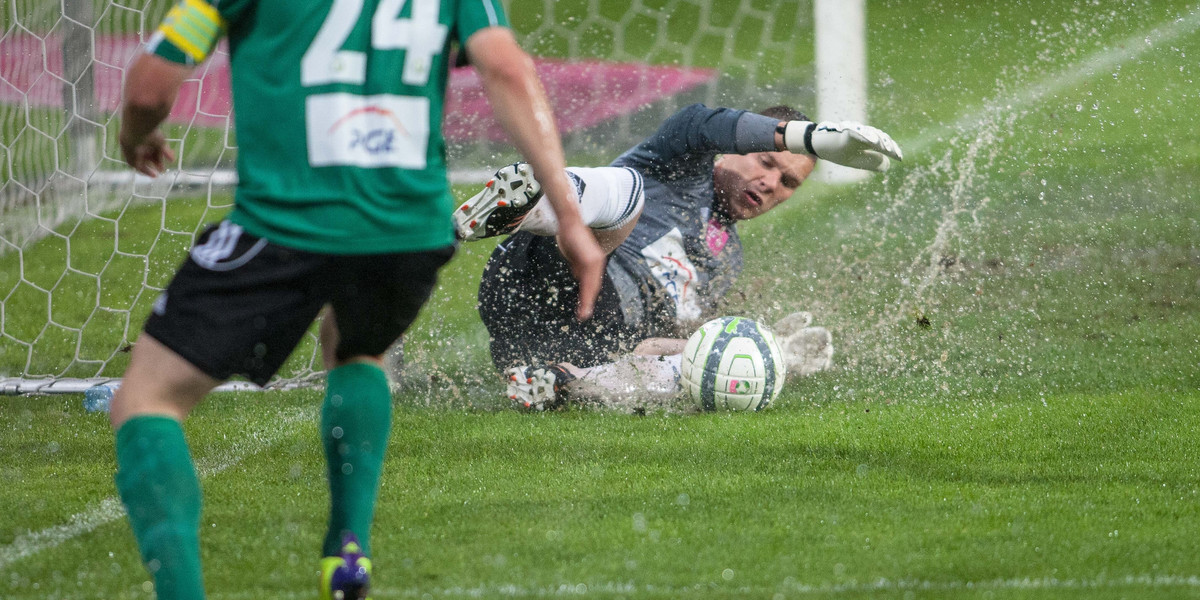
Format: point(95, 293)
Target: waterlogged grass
point(875, 494)
point(1011, 413)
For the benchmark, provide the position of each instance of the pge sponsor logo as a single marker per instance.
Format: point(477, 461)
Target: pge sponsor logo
point(375, 141)
point(716, 236)
point(373, 129)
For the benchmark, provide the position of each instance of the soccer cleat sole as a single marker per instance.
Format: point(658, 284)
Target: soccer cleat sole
point(502, 205)
point(538, 388)
point(530, 388)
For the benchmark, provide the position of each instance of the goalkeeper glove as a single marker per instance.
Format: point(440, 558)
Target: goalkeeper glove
point(845, 143)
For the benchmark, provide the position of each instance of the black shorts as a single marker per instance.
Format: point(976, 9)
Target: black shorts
point(239, 305)
point(527, 300)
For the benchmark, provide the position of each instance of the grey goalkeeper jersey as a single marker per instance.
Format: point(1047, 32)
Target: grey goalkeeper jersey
point(684, 254)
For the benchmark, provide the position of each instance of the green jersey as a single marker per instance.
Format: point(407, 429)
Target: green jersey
point(338, 113)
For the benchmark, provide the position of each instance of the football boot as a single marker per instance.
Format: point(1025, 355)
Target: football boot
point(501, 206)
point(346, 576)
point(538, 388)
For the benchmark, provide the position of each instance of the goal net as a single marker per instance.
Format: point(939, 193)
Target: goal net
point(86, 247)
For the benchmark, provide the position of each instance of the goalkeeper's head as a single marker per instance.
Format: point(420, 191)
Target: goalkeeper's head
point(748, 185)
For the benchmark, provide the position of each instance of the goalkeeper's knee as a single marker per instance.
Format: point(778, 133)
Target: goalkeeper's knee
point(611, 197)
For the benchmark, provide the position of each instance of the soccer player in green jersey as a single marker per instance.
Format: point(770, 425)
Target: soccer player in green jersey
point(342, 205)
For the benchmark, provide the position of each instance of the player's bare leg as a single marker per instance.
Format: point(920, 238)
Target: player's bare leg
point(158, 382)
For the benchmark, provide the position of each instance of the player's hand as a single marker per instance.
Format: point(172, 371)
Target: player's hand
point(845, 143)
point(578, 245)
point(149, 156)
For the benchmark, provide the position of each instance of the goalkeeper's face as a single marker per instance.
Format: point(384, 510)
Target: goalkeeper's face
point(746, 186)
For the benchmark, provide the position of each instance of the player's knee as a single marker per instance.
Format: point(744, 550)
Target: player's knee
point(626, 194)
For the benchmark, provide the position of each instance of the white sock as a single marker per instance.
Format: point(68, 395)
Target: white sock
point(632, 382)
point(612, 197)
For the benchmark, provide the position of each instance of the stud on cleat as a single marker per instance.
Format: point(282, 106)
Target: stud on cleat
point(496, 209)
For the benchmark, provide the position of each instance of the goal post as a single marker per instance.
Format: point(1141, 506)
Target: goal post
point(841, 72)
point(79, 89)
point(86, 246)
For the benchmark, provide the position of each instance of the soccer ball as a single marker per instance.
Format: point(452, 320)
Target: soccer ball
point(732, 363)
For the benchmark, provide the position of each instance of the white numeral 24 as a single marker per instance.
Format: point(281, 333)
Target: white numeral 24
point(421, 36)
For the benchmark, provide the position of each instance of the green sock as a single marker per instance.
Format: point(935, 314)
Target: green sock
point(355, 422)
point(158, 484)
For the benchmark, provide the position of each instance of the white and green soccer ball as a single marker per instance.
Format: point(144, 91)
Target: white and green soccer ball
point(732, 363)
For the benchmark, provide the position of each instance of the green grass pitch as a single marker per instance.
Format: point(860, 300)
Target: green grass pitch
point(1013, 412)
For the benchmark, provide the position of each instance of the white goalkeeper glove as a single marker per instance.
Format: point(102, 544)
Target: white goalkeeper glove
point(806, 350)
point(845, 143)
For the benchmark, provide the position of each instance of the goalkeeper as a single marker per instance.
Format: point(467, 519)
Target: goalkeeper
point(666, 211)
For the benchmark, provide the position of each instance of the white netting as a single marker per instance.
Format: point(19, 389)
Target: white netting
point(85, 247)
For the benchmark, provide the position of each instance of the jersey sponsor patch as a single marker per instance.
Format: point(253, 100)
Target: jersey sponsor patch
point(669, 263)
point(383, 130)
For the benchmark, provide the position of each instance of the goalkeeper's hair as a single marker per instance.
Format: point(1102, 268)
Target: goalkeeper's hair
point(784, 113)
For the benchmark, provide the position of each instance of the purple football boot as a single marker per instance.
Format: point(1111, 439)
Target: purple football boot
point(346, 576)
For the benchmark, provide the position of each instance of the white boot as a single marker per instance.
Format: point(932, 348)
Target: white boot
point(501, 206)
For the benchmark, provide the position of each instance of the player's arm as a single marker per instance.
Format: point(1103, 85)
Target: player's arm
point(698, 128)
point(521, 107)
point(186, 36)
point(151, 86)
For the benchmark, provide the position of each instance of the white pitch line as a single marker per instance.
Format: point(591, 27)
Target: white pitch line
point(1105, 61)
point(787, 588)
point(110, 509)
point(1124, 51)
